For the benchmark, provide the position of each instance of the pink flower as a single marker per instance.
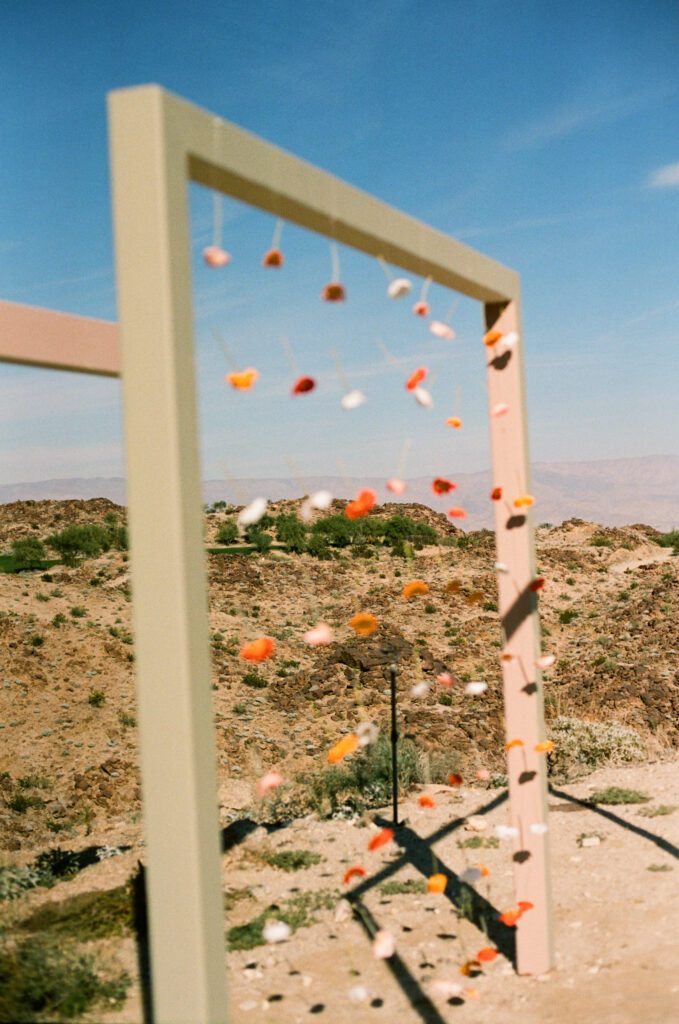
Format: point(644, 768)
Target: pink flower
point(384, 945)
point(268, 782)
point(319, 636)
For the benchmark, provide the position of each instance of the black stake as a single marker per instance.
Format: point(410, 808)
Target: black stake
point(394, 743)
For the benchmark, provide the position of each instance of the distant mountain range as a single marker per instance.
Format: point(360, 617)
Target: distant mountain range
point(613, 492)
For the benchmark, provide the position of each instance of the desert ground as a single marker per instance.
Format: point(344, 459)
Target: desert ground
point(69, 745)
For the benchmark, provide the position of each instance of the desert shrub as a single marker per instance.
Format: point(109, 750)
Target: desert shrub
point(567, 616)
point(77, 542)
point(289, 860)
point(28, 553)
point(78, 612)
point(669, 540)
point(600, 540)
point(59, 619)
point(318, 546)
point(408, 886)
point(291, 532)
point(41, 980)
point(96, 698)
point(228, 532)
point(297, 912)
point(338, 531)
point(583, 746)
point(261, 540)
point(254, 680)
point(618, 795)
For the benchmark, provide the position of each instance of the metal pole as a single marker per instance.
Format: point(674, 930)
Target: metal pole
point(394, 743)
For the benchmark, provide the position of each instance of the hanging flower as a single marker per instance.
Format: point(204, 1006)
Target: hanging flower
point(423, 398)
point(333, 292)
point(421, 309)
point(524, 501)
point(510, 339)
point(243, 380)
point(506, 831)
point(383, 838)
point(419, 690)
point(485, 871)
point(445, 679)
point(446, 989)
point(501, 409)
point(454, 421)
point(454, 779)
point(302, 385)
point(416, 377)
point(470, 966)
point(361, 505)
point(426, 801)
point(215, 256)
point(258, 650)
point(491, 338)
point(441, 330)
point(356, 872)
point(496, 494)
point(367, 733)
point(319, 636)
point(273, 258)
point(457, 513)
point(269, 781)
point(353, 399)
point(537, 584)
point(539, 828)
point(253, 512)
point(396, 486)
point(476, 689)
point(545, 661)
point(442, 486)
point(346, 746)
point(414, 589)
point(399, 287)
point(437, 883)
point(483, 775)
point(546, 747)
point(510, 917)
point(321, 500)
point(363, 623)
point(513, 743)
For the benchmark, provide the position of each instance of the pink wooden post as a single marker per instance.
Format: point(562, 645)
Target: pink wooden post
point(523, 700)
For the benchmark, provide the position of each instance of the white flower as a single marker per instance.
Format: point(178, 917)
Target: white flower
point(441, 330)
point(321, 499)
point(384, 945)
point(276, 931)
point(500, 409)
point(445, 988)
point(546, 661)
point(501, 567)
point(367, 733)
point(353, 399)
point(399, 287)
point(319, 636)
point(253, 512)
point(358, 994)
point(419, 690)
point(510, 339)
point(306, 512)
point(476, 689)
point(539, 829)
point(506, 831)
point(423, 398)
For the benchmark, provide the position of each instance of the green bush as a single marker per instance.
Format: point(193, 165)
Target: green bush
point(96, 698)
point(254, 680)
point(78, 612)
point(28, 553)
point(291, 532)
point(228, 532)
point(600, 540)
point(669, 540)
point(613, 795)
point(567, 616)
point(42, 980)
point(583, 746)
point(74, 542)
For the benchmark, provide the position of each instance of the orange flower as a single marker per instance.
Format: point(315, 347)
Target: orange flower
point(334, 292)
point(414, 589)
point(457, 513)
point(436, 883)
point(454, 421)
point(471, 993)
point(383, 837)
point(486, 955)
point(510, 917)
point(485, 871)
point(361, 505)
point(454, 779)
point(507, 656)
point(302, 385)
point(347, 745)
point(524, 501)
point(258, 650)
point(426, 801)
point(442, 486)
point(525, 905)
point(545, 747)
point(496, 494)
point(513, 743)
point(243, 380)
point(416, 378)
point(491, 338)
point(537, 584)
point(355, 872)
point(273, 258)
point(421, 309)
point(363, 623)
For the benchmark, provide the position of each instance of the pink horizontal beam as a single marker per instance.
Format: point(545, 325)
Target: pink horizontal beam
point(58, 341)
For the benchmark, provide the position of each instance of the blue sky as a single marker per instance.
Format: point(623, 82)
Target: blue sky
point(545, 135)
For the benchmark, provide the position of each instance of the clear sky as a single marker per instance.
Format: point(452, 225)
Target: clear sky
point(546, 135)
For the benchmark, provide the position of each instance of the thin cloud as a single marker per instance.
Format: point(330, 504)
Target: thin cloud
point(580, 116)
point(664, 177)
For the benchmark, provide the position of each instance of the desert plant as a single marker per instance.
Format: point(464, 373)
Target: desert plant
point(289, 860)
point(618, 795)
point(74, 542)
point(28, 553)
point(297, 912)
point(254, 680)
point(96, 698)
point(228, 531)
point(583, 746)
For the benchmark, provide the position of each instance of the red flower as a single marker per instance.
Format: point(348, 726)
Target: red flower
point(442, 486)
point(383, 837)
point(496, 494)
point(273, 258)
point(302, 385)
point(355, 872)
point(334, 292)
